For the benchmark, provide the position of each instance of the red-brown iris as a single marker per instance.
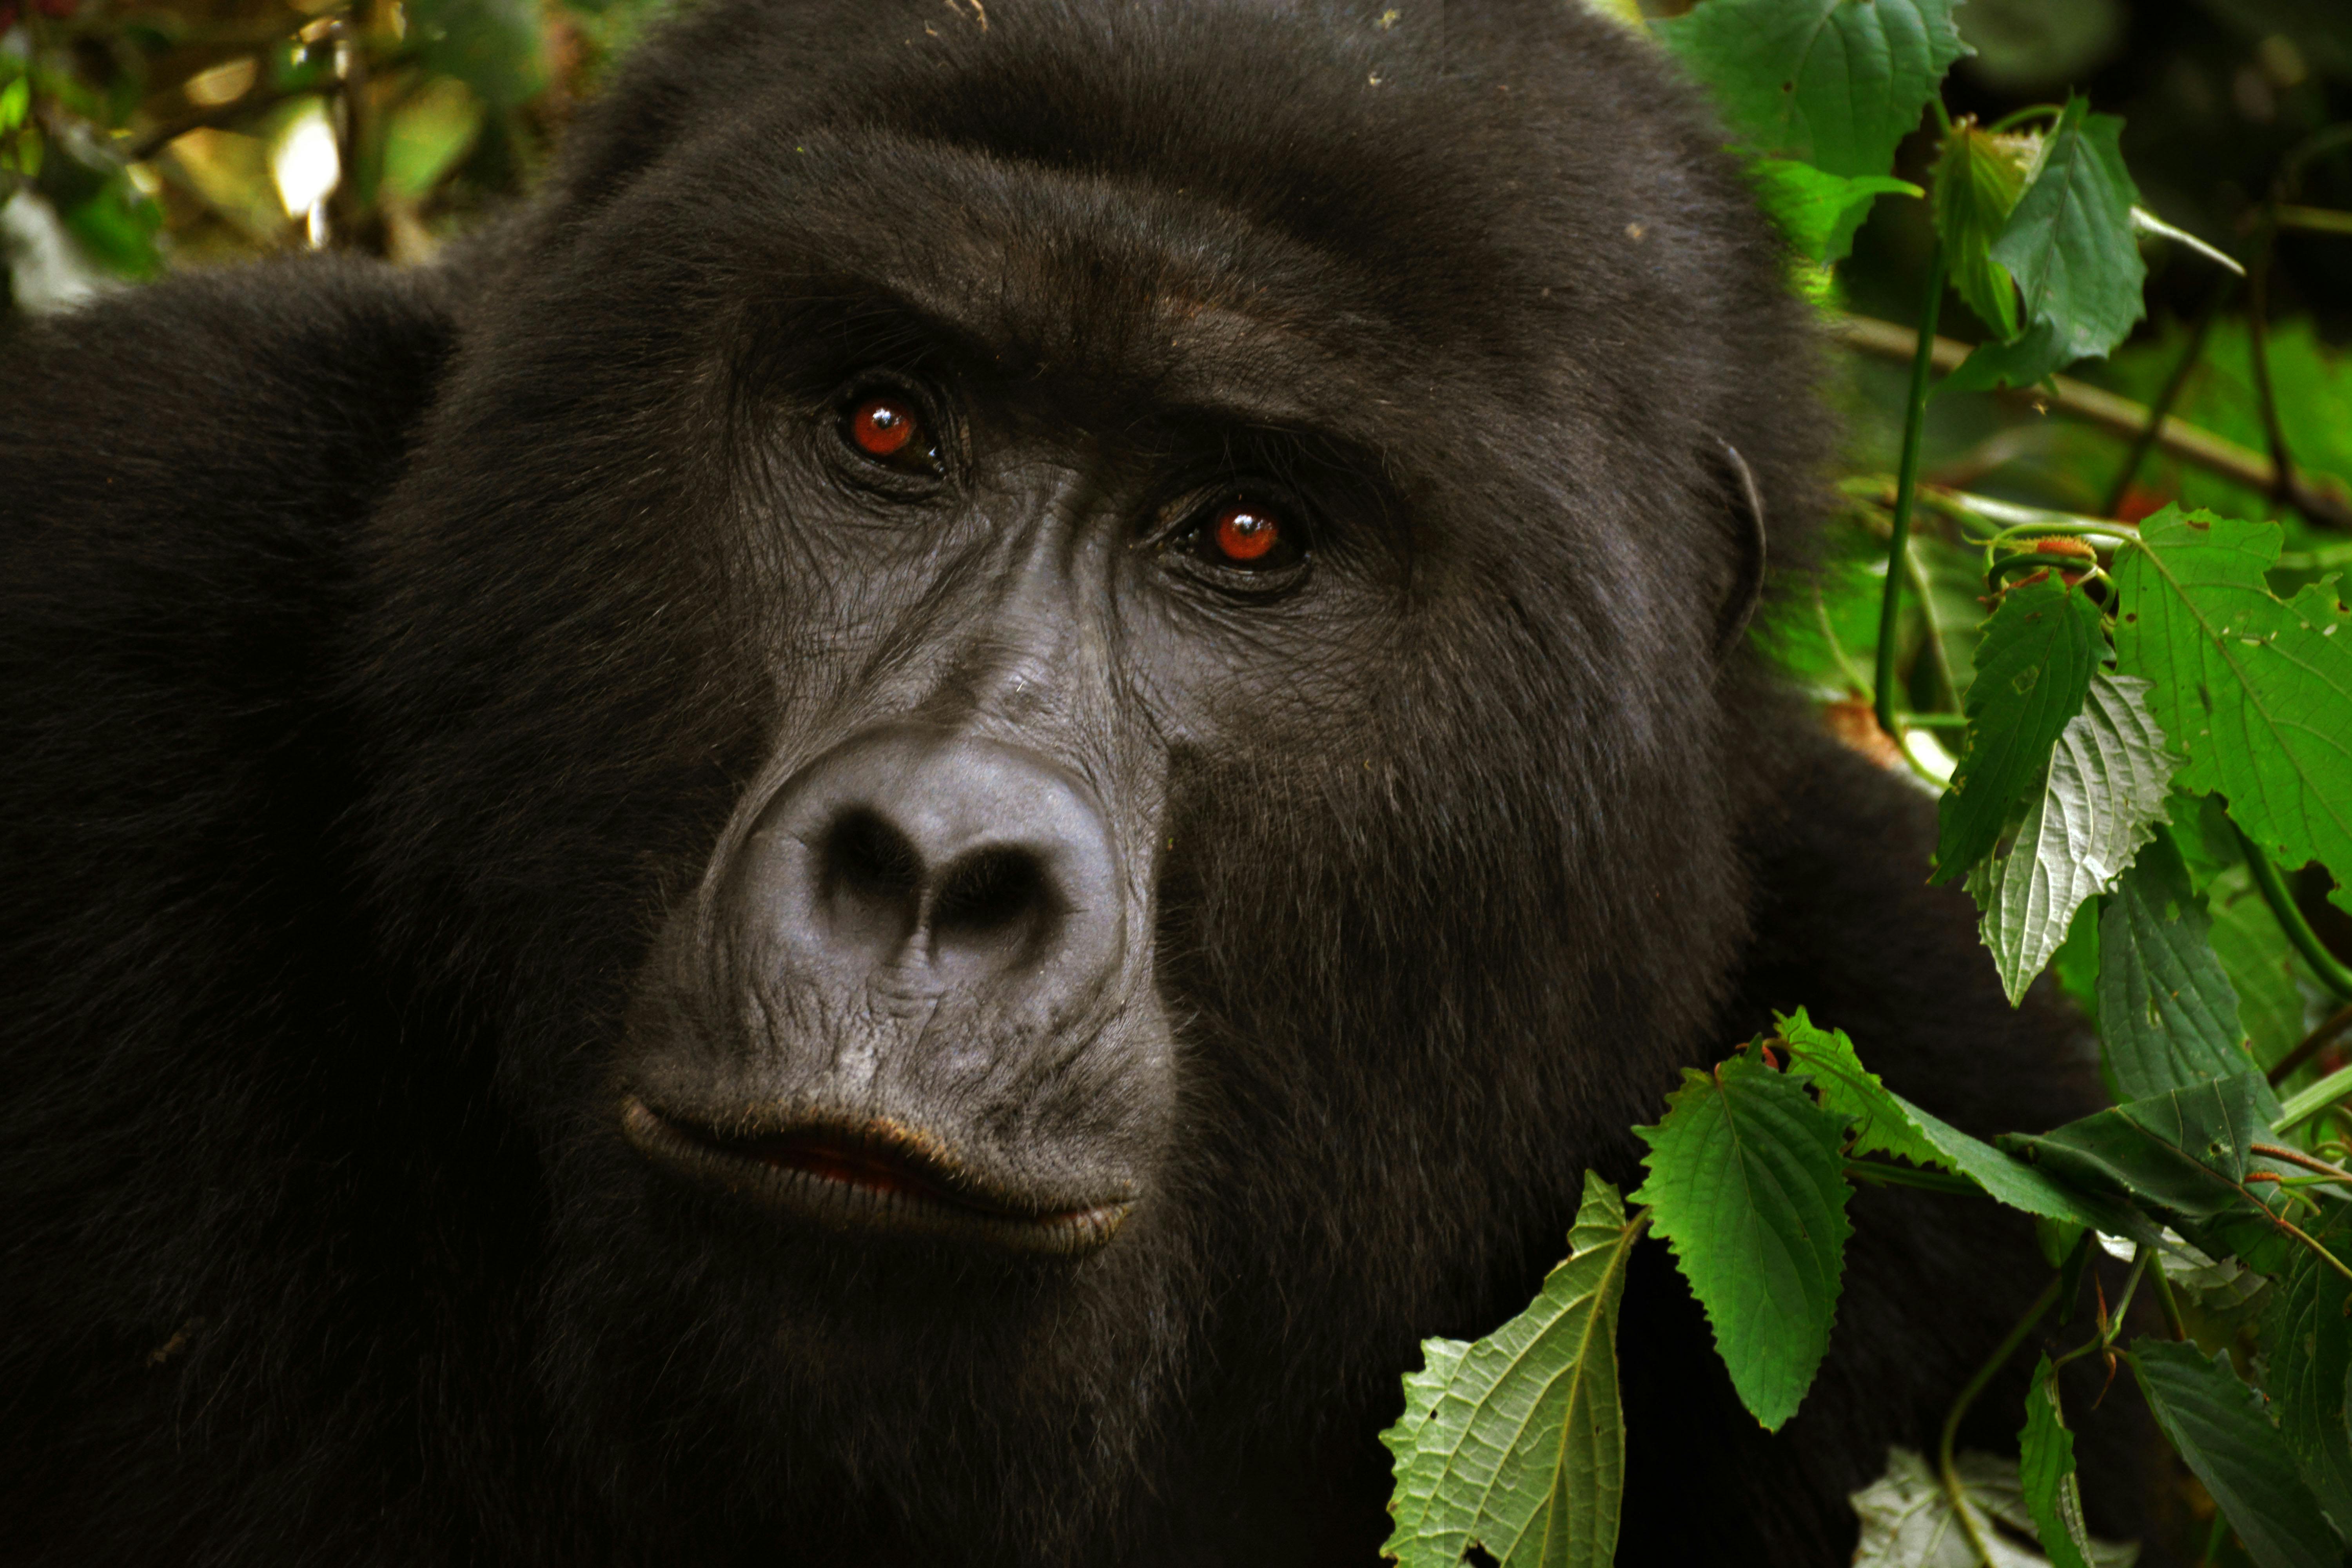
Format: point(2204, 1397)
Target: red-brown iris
point(1244, 534)
point(884, 428)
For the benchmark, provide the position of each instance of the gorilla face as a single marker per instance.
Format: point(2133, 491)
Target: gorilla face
point(1105, 718)
point(1029, 568)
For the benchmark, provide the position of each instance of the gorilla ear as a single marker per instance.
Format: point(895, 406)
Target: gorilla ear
point(1747, 561)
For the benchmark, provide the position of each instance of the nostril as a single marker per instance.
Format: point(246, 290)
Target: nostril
point(869, 877)
point(998, 894)
point(865, 856)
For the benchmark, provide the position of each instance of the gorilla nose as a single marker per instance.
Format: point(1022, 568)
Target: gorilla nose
point(915, 863)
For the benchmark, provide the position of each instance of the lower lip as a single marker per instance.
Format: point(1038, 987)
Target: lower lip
point(845, 1190)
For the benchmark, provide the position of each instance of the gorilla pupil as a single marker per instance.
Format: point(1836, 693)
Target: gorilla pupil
point(1245, 533)
point(881, 427)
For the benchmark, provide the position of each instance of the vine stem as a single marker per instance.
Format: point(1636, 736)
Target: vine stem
point(2323, 499)
point(2330, 969)
point(2337, 1025)
point(2161, 409)
point(1907, 488)
point(2164, 1297)
point(1945, 1466)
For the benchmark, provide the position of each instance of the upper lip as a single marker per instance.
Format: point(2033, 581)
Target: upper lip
point(874, 1173)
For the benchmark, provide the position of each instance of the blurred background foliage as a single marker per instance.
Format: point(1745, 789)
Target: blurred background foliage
point(137, 135)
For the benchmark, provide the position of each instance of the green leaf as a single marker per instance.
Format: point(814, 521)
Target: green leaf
point(2310, 1339)
point(1746, 1185)
point(2109, 775)
point(2069, 241)
point(1978, 177)
point(2170, 1014)
point(1907, 1519)
point(1833, 82)
point(1517, 1444)
point(492, 45)
point(2256, 691)
point(2076, 962)
point(428, 135)
point(2027, 362)
point(2034, 669)
point(2046, 1473)
point(1818, 212)
point(2218, 1426)
point(1884, 1122)
point(118, 226)
point(2184, 1155)
point(2260, 961)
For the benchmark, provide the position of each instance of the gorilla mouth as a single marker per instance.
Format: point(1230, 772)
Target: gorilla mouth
point(873, 1176)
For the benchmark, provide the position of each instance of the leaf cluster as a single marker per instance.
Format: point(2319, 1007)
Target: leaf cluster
point(2140, 735)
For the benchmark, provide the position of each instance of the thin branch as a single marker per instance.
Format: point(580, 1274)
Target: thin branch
point(1985, 1373)
point(2161, 409)
point(2258, 352)
point(2314, 220)
point(220, 116)
point(2308, 1161)
point(2164, 1297)
point(1906, 487)
point(2330, 1031)
point(2321, 499)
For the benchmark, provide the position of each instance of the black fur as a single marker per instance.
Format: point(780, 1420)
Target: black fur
point(386, 655)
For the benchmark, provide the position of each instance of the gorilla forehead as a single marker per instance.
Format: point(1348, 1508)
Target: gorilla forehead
point(1355, 198)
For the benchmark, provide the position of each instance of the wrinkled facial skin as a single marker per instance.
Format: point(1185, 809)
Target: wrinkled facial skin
point(1048, 959)
point(927, 934)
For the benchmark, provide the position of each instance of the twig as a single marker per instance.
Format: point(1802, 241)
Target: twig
point(1907, 486)
point(2330, 1031)
point(2161, 409)
point(2320, 499)
point(2314, 220)
point(1976, 1385)
point(2302, 1106)
point(145, 145)
point(2164, 1298)
point(2258, 352)
point(2297, 1157)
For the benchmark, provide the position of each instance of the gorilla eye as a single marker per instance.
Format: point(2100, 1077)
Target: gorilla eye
point(885, 428)
point(1250, 536)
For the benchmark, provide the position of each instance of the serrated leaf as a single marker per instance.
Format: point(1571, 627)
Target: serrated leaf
point(1907, 1519)
point(2260, 961)
point(2046, 1473)
point(2310, 1339)
point(2069, 241)
point(2169, 1015)
point(2109, 775)
point(1746, 1185)
point(2218, 1427)
point(1516, 1443)
point(1816, 211)
point(1884, 1122)
point(2184, 1155)
point(2034, 355)
point(2033, 670)
point(1978, 177)
point(1829, 82)
point(2256, 691)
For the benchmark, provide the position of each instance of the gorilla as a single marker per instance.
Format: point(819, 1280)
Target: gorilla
point(898, 832)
